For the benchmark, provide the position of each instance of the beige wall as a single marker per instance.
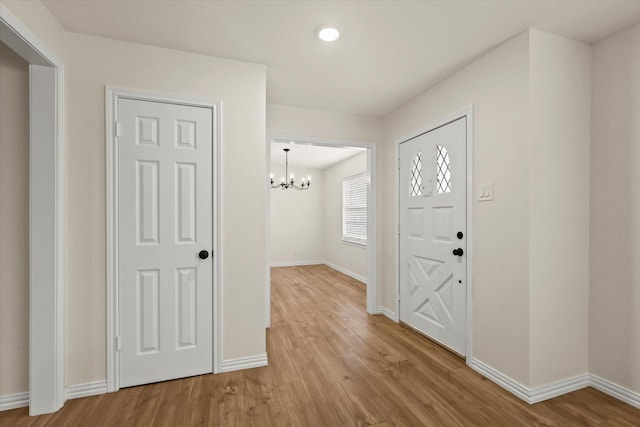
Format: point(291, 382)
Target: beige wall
point(614, 299)
point(14, 223)
point(497, 86)
point(286, 120)
point(297, 219)
point(560, 107)
point(95, 62)
point(350, 257)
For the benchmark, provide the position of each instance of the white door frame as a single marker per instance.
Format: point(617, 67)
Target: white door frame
point(372, 307)
point(112, 95)
point(46, 214)
point(468, 113)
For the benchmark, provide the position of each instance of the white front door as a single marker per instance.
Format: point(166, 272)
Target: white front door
point(165, 217)
point(433, 234)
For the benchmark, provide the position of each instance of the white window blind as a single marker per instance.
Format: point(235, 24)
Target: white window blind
point(354, 209)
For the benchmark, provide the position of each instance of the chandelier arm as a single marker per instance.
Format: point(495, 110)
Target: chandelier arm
point(297, 187)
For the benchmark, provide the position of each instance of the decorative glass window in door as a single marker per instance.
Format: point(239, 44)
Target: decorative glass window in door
point(443, 177)
point(416, 180)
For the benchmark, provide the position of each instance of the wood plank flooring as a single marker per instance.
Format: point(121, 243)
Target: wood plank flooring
point(331, 364)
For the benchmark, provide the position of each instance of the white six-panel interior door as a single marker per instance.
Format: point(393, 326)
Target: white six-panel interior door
point(432, 215)
point(165, 239)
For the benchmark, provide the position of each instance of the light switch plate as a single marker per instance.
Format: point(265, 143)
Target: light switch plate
point(485, 192)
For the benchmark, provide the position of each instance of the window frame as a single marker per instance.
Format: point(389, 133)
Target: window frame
point(347, 237)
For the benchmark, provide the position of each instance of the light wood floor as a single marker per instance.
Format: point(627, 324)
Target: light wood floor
point(331, 364)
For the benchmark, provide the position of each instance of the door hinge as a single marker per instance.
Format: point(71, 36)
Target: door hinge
point(398, 229)
point(116, 129)
point(398, 164)
point(118, 343)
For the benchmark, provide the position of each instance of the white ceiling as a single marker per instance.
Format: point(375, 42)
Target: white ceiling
point(305, 155)
point(389, 51)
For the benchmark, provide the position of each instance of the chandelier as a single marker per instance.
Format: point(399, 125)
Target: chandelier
point(285, 185)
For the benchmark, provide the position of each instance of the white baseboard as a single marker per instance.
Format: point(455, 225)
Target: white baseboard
point(13, 401)
point(244, 363)
point(530, 395)
point(85, 390)
point(347, 272)
point(549, 391)
point(388, 313)
point(615, 390)
point(499, 378)
point(295, 263)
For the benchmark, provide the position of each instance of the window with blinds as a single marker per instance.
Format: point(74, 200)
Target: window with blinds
point(354, 209)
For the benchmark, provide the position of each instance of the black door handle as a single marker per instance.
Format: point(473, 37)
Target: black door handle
point(203, 254)
point(458, 252)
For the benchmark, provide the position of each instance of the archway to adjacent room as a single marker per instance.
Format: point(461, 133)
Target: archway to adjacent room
point(367, 178)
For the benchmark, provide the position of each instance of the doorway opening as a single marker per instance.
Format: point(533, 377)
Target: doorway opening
point(324, 223)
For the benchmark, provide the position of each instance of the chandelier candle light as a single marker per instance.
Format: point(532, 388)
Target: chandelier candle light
point(285, 185)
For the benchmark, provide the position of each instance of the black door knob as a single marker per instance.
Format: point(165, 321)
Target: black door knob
point(203, 255)
point(459, 235)
point(458, 252)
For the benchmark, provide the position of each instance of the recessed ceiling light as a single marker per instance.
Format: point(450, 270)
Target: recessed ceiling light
point(328, 34)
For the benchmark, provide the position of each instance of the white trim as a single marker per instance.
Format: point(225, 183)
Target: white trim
point(614, 390)
point(372, 237)
point(296, 263)
point(85, 390)
point(499, 378)
point(20, 400)
point(13, 401)
point(388, 313)
point(348, 273)
point(396, 227)
point(468, 114)
point(267, 240)
point(112, 95)
point(21, 40)
point(356, 243)
point(258, 361)
point(46, 214)
point(549, 391)
point(530, 395)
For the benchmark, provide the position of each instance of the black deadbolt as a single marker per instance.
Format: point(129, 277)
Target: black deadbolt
point(203, 254)
point(460, 235)
point(458, 252)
